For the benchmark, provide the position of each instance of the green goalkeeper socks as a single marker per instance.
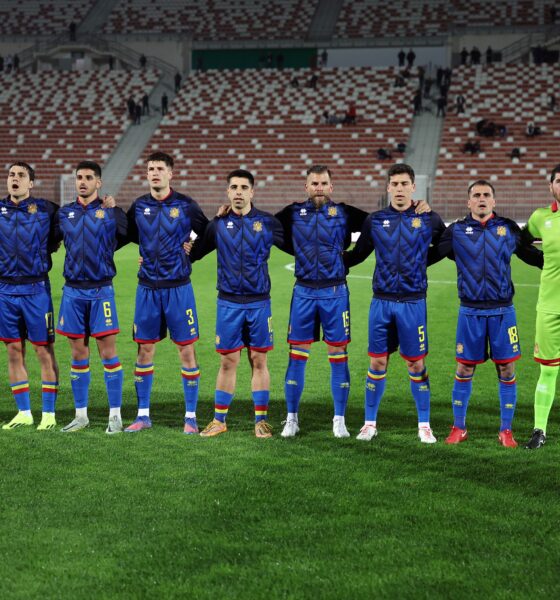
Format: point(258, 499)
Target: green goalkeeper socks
point(544, 395)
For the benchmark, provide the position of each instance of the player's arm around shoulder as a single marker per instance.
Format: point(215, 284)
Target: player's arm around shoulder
point(132, 226)
point(205, 243)
point(524, 249)
point(364, 246)
point(199, 220)
point(122, 227)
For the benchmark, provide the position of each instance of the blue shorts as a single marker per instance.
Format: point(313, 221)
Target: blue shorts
point(28, 316)
point(85, 313)
point(312, 308)
point(487, 333)
point(243, 325)
point(398, 324)
point(165, 308)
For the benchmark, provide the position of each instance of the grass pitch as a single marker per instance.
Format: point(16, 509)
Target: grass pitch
point(161, 514)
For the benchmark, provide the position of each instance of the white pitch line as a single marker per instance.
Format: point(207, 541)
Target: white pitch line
point(292, 266)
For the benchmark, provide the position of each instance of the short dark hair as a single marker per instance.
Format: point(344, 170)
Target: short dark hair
point(555, 171)
point(400, 169)
point(318, 169)
point(30, 170)
point(92, 166)
point(160, 157)
point(241, 173)
point(481, 182)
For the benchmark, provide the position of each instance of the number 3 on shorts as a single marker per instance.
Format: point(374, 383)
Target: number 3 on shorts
point(190, 318)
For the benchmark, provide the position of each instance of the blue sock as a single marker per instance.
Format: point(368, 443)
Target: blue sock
point(340, 381)
point(80, 378)
point(462, 389)
point(191, 378)
point(50, 391)
point(375, 388)
point(20, 391)
point(222, 400)
point(420, 388)
point(113, 373)
point(143, 379)
point(295, 378)
point(260, 400)
point(508, 399)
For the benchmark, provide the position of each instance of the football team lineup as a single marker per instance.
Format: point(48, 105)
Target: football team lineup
point(406, 238)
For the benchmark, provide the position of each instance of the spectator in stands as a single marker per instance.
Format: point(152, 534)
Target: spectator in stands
point(460, 103)
point(489, 55)
point(439, 76)
point(16, 63)
point(138, 114)
point(532, 130)
point(401, 57)
point(9, 63)
point(294, 82)
point(72, 31)
point(475, 56)
point(111, 62)
point(446, 79)
point(350, 116)
point(552, 102)
point(502, 130)
point(471, 147)
point(383, 154)
point(178, 80)
point(441, 105)
point(464, 56)
point(515, 153)
point(399, 80)
point(1, 63)
point(280, 61)
point(164, 102)
point(200, 64)
point(401, 148)
point(143, 61)
point(145, 105)
point(131, 108)
point(312, 83)
point(324, 58)
point(410, 57)
point(421, 76)
point(417, 103)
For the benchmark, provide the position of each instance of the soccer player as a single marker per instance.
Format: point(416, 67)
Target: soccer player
point(482, 245)
point(242, 239)
point(161, 222)
point(319, 230)
point(91, 232)
point(544, 224)
point(26, 311)
point(397, 317)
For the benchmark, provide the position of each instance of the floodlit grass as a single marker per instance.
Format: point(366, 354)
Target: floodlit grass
point(162, 514)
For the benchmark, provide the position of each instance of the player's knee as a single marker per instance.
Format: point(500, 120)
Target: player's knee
point(146, 353)
point(465, 370)
point(415, 366)
point(230, 361)
point(258, 361)
point(379, 363)
point(15, 352)
point(506, 371)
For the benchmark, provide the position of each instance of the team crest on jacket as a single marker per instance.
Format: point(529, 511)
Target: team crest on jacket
point(257, 226)
point(100, 214)
point(174, 213)
point(460, 348)
point(332, 212)
point(501, 230)
point(416, 223)
point(32, 208)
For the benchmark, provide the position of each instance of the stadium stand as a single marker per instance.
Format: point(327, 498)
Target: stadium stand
point(404, 18)
point(53, 119)
point(42, 17)
point(510, 95)
point(254, 119)
point(215, 19)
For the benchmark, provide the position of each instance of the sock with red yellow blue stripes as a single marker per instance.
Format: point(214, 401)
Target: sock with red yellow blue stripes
point(49, 394)
point(462, 389)
point(375, 388)
point(80, 378)
point(508, 400)
point(260, 400)
point(113, 381)
point(191, 378)
point(295, 378)
point(340, 381)
point(222, 400)
point(20, 391)
point(143, 379)
point(420, 388)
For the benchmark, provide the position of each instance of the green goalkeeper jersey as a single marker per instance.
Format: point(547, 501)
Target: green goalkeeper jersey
point(544, 224)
